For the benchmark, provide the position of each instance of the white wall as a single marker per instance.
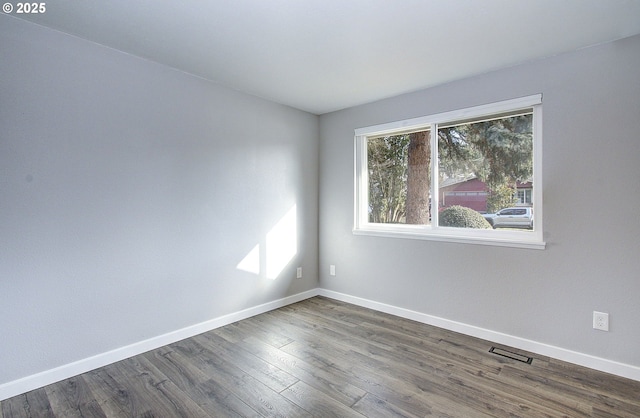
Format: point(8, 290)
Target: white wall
point(591, 105)
point(129, 193)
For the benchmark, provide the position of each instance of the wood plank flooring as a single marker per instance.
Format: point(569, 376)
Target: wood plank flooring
point(325, 358)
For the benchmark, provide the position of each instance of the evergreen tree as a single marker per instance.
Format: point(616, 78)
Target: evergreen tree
point(499, 152)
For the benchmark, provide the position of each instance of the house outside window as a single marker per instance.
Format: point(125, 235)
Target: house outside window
point(524, 194)
point(481, 159)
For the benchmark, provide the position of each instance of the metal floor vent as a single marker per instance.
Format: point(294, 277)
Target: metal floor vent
point(515, 356)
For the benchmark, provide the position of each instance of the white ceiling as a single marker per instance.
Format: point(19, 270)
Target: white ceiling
point(325, 55)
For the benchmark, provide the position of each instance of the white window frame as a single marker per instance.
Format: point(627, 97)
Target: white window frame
point(525, 193)
point(499, 237)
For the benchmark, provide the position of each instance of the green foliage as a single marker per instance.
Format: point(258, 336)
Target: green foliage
point(462, 217)
point(387, 163)
point(498, 151)
point(507, 146)
point(502, 196)
point(459, 156)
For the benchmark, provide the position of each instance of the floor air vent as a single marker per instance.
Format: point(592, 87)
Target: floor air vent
point(509, 354)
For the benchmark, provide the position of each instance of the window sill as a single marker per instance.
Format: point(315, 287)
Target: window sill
point(511, 239)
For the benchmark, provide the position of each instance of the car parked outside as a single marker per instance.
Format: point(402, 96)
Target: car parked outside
point(516, 217)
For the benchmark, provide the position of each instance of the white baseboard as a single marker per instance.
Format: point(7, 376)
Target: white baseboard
point(28, 383)
point(608, 366)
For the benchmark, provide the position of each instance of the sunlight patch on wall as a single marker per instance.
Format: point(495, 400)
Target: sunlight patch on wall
point(281, 245)
point(251, 262)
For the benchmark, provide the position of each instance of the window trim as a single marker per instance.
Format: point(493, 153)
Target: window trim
point(519, 239)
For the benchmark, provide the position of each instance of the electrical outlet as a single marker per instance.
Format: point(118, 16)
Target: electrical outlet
point(332, 270)
point(601, 321)
point(299, 273)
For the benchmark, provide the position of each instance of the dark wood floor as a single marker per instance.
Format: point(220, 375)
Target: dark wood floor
point(326, 358)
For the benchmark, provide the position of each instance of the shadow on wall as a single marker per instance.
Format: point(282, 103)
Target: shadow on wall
point(279, 248)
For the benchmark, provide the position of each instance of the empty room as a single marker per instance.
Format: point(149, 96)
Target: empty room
point(351, 208)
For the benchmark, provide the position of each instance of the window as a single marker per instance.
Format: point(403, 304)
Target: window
point(524, 196)
point(449, 176)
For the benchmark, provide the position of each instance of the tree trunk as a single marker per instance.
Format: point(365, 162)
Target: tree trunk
point(418, 178)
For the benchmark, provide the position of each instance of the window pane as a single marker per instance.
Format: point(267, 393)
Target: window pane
point(486, 166)
point(399, 178)
point(475, 162)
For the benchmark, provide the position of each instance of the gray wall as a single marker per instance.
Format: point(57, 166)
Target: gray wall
point(591, 105)
point(129, 192)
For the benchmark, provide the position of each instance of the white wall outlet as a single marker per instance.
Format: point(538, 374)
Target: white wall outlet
point(332, 270)
point(299, 273)
point(601, 321)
